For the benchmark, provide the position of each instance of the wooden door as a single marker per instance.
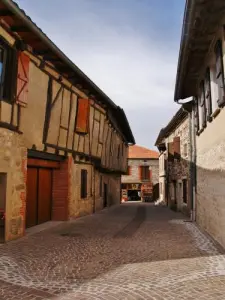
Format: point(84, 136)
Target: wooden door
point(44, 195)
point(31, 203)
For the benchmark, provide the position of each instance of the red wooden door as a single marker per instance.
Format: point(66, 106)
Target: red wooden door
point(44, 195)
point(31, 204)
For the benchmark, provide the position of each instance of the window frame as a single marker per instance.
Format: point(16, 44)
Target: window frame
point(9, 71)
point(219, 73)
point(145, 178)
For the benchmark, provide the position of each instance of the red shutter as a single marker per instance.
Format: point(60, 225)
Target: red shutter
point(128, 170)
point(22, 78)
point(140, 172)
point(82, 121)
point(176, 142)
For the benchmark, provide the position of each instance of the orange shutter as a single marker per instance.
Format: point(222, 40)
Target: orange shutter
point(140, 172)
point(82, 121)
point(176, 142)
point(22, 78)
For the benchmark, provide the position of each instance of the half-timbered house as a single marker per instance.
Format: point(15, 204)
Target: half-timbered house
point(63, 142)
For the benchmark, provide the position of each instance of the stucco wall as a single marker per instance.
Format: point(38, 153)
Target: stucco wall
point(210, 208)
point(13, 163)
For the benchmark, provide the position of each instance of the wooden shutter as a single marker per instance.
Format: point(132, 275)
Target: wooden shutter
point(220, 73)
point(128, 170)
point(22, 78)
point(196, 116)
point(208, 95)
point(203, 104)
point(176, 142)
point(140, 172)
point(82, 121)
point(170, 151)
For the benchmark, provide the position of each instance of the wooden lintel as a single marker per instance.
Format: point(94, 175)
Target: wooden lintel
point(35, 162)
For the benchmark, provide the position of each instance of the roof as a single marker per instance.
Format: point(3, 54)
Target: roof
point(26, 30)
point(177, 119)
point(142, 152)
point(200, 24)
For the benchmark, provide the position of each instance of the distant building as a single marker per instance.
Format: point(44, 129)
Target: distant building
point(173, 143)
point(142, 174)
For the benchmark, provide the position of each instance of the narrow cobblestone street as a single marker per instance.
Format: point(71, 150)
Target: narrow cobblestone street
point(134, 251)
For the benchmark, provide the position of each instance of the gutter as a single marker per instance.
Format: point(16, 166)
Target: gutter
point(14, 8)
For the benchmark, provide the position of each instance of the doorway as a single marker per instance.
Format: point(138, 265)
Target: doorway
point(105, 195)
point(39, 196)
point(134, 195)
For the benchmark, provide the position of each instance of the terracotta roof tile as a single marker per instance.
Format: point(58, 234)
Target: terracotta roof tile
point(142, 152)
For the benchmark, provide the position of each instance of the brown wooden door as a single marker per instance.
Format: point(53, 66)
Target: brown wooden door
point(31, 203)
point(44, 195)
point(39, 196)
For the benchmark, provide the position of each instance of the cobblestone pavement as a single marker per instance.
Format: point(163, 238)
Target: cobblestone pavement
point(134, 251)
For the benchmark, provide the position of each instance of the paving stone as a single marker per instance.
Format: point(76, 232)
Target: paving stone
point(134, 251)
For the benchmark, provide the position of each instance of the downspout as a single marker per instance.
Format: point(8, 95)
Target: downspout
point(194, 157)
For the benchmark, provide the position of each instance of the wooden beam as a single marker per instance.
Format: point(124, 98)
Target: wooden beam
point(19, 29)
point(5, 13)
point(34, 162)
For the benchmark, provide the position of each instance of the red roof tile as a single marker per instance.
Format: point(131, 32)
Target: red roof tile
point(142, 152)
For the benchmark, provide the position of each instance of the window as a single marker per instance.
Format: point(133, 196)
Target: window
point(185, 150)
point(208, 96)
point(83, 183)
point(144, 173)
point(202, 105)
point(184, 190)
point(219, 73)
point(160, 188)
point(118, 153)
point(100, 186)
point(176, 142)
point(82, 119)
point(170, 147)
point(7, 71)
point(128, 170)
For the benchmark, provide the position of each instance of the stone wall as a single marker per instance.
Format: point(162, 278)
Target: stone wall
point(178, 169)
point(134, 170)
point(13, 163)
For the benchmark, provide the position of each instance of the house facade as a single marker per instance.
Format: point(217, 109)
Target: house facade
point(173, 143)
point(63, 142)
point(200, 75)
point(142, 174)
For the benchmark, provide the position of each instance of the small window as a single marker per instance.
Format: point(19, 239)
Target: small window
point(203, 105)
point(185, 150)
point(83, 183)
point(100, 186)
point(118, 153)
point(185, 190)
point(208, 97)
point(7, 71)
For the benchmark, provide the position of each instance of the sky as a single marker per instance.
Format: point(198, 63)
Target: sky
point(129, 48)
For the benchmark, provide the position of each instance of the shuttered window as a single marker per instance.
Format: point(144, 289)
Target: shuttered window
point(144, 173)
point(176, 142)
point(220, 73)
point(196, 111)
point(8, 61)
point(185, 190)
point(128, 170)
point(170, 151)
point(22, 79)
point(83, 184)
point(82, 119)
point(203, 105)
point(208, 95)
